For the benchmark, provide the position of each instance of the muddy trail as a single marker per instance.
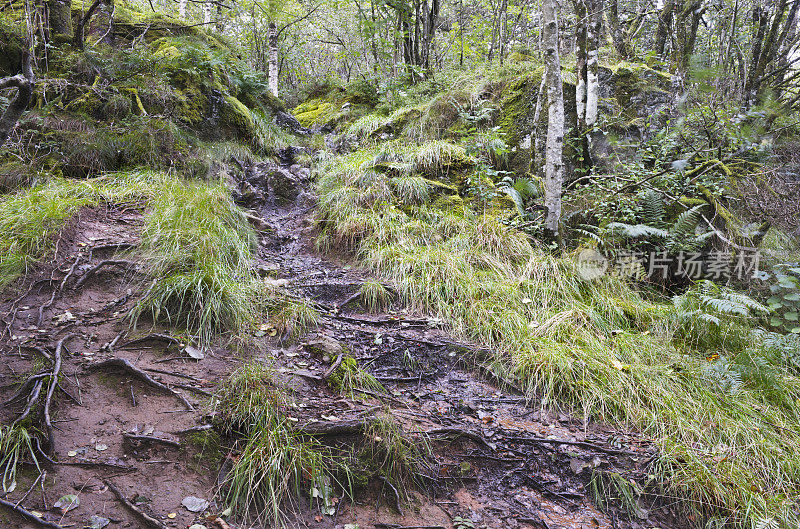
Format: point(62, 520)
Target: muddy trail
point(128, 408)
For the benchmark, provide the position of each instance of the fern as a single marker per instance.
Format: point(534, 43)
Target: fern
point(653, 209)
point(686, 222)
point(635, 231)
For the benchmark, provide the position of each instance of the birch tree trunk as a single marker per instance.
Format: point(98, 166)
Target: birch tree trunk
point(207, 13)
point(182, 9)
point(594, 26)
point(554, 148)
point(581, 34)
point(272, 72)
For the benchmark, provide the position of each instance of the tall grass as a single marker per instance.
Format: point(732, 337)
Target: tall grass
point(31, 218)
point(198, 247)
point(596, 347)
point(276, 464)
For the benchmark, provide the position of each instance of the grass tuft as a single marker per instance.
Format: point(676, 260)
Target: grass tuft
point(198, 246)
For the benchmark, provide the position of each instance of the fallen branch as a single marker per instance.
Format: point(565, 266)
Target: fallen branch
point(28, 515)
point(126, 366)
point(327, 374)
point(348, 427)
point(146, 518)
point(152, 337)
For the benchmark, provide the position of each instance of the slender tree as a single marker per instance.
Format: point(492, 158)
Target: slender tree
point(554, 149)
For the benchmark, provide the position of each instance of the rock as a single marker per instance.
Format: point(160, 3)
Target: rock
point(295, 168)
point(325, 346)
point(283, 184)
point(304, 173)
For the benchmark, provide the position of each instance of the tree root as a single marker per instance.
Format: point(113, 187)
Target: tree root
point(126, 366)
point(146, 518)
point(51, 389)
point(150, 439)
point(98, 266)
point(396, 494)
point(333, 367)
point(58, 290)
point(154, 337)
point(28, 515)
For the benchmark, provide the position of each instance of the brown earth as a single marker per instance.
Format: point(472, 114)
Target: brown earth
point(498, 460)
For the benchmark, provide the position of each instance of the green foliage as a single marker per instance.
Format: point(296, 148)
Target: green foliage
point(15, 446)
point(785, 299)
point(349, 377)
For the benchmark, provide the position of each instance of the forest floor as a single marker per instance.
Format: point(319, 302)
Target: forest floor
point(497, 459)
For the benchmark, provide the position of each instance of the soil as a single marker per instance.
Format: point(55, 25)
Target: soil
point(498, 459)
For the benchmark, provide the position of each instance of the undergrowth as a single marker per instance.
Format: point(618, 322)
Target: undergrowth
point(727, 424)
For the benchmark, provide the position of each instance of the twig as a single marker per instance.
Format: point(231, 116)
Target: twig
point(123, 364)
point(327, 374)
point(146, 518)
point(30, 516)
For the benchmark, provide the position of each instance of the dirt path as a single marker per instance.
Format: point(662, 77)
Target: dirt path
point(497, 461)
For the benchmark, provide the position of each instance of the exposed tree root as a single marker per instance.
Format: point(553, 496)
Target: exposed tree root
point(397, 503)
point(333, 367)
point(98, 266)
point(50, 390)
point(58, 290)
point(152, 337)
point(143, 516)
point(151, 439)
point(349, 427)
point(28, 515)
point(126, 366)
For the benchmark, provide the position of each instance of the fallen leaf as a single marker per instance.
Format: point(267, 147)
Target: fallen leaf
point(194, 352)
point(97, 522)
point(330, 417)
point(66, 503)
point(172, 515)
point(197, 526)
point(194, 504)
point(100, 447)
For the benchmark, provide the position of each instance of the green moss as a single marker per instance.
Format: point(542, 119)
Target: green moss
point(313, 112)
point(11, 46)
point(517, 106)
point(238, 117)
point(337, 380)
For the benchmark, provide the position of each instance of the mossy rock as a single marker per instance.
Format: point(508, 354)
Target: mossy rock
point(336, 380)
point(237, 117)
point(517, 106)
point(451, 203)
point(313, 112)
point(11, 46)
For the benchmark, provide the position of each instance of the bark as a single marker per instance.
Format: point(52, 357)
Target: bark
point(592, 62)
point(79, 36)
point(581, 35)
point(554, 149)
point(664, 25)
point(182, 9)
point(24, 83)
point(207, 8)
point(272, 73)
point(59, 19)
point(617, 33)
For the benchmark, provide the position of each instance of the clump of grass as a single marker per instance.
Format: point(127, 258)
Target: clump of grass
point(612, 489)
point(15, 446)
point(365, 126)
point(390, 453)
point(293, 317)
point(349, 377)
point(375, 294)
point(276, 463)
point(30, 218)
point(437, 156)
point(595, 346)
point(198, 246)
point(411, 190)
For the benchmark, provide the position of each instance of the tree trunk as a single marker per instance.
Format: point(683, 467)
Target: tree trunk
point(272, 73)
point(80, 29)
point(554, 149)
point(581, 34)
point(24, 83)
point(594, 27)
point(207, 8)
point(182, 9)
point(617, 33)
point(664, 25)
point(60, 20)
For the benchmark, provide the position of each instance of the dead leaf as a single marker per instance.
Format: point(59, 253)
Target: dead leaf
point(67, 503)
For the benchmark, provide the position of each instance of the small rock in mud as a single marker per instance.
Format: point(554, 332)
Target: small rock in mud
point(283, 184)
point(324, 346)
